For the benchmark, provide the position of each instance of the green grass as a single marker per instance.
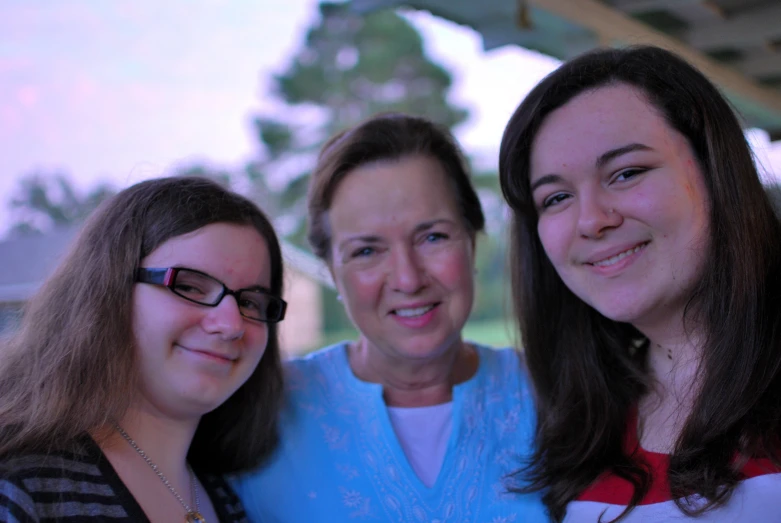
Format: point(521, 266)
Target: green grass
point(498, 333)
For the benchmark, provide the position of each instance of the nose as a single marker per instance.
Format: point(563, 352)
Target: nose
point(225, 319)
point(407, 272)
point(597, 215)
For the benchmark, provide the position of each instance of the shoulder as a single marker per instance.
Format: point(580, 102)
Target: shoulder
point(321, 365)
point(58, 464)
point(753, 499)
point(30, 482)
point(15, 497)
point(77, 484)
point(506, 364)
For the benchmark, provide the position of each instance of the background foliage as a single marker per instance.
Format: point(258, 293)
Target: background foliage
point(347, 68)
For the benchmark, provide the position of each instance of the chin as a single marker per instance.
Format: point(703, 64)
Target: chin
point(618, 311)
point(429, 348)
point(202, 406)
point(206, 399)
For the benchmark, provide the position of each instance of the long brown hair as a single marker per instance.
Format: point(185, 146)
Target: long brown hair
point(589, 371)
point(70, 367)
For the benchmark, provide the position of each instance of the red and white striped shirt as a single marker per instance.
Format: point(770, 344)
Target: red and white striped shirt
point(756, 499)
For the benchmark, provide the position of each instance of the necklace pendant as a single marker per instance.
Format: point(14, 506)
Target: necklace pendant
point(194, 517)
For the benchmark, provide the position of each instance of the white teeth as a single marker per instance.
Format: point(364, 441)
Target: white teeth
point(411, 313)
point(618, 257)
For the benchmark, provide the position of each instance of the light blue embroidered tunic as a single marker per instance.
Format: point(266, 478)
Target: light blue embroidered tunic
point(339, 458)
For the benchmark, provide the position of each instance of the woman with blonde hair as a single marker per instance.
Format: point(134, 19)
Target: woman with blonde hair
point(147, 366)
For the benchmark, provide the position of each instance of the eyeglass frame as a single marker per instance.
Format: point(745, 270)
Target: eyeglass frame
point(166, 277)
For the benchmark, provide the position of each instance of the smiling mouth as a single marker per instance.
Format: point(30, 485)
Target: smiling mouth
point(209, 354)
point(620, 256)
point(414, 313)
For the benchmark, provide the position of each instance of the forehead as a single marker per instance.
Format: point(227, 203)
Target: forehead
point(236, 254)
point(598, 120)
point(412, 188)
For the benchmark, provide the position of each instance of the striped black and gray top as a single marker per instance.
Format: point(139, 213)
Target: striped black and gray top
point(83, 486)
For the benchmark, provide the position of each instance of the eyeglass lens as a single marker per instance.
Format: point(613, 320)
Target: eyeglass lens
point(203, 289)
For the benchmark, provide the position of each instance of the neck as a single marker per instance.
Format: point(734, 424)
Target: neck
point(164, 440)
point(674, 356)
point(414, 383)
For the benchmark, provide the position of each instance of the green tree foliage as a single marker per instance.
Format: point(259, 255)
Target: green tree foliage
point(348, 68)
point(357, 66)
point(774, 193)
point(46, 200)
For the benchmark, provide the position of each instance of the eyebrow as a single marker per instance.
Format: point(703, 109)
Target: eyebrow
point(603, 160)
point(424, 226)
point(543, 180)
point(362, 239)
point(620, 151)
point(256, 288)
point(249, 288)
point(430, 224)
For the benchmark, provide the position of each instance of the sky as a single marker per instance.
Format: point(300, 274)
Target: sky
point(125, 90)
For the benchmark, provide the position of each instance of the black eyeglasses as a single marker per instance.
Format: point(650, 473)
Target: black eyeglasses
point(254, 302)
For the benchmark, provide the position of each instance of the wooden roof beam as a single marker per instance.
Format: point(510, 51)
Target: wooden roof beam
point(755, 26)
point(760, 64)
point(643, 6)
point(612, 25)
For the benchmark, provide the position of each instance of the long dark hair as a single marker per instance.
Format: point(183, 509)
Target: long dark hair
point(589, 371)
point(71, 368)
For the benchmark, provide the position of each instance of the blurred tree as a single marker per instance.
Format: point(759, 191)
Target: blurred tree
point(774, 193)
point(348, 68)
point(218, 174)
point(44, 201)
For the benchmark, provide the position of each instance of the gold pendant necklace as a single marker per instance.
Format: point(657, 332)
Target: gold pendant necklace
point(192, 516)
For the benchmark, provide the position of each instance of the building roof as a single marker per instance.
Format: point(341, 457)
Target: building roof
point(737, 43)
point(25, 261)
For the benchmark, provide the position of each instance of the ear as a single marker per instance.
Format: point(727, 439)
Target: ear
point(330, 267)
point(473, 244)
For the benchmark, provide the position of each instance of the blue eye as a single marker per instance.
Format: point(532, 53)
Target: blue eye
point(362, 252)
point(435, 237)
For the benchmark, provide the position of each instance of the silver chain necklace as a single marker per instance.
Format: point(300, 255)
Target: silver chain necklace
point(192, 516)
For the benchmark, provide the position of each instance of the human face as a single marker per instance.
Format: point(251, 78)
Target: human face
point(194, 357)
point(402, 257)
point(623, 209)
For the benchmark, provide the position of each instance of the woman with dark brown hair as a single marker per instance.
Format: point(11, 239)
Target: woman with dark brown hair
point(646, 280)
point(410, 422)
point(147, 366)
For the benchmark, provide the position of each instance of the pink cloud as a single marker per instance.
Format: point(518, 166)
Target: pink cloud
point(14, 64)
point(27, 95)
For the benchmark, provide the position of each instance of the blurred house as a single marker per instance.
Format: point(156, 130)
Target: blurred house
point(26, 261)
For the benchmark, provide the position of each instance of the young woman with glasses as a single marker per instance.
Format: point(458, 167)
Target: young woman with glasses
point(147, 366)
